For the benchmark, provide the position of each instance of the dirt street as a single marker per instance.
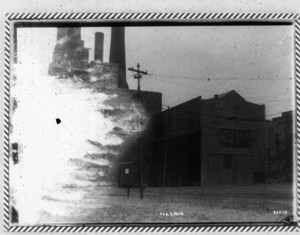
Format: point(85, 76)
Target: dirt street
point(261, 203)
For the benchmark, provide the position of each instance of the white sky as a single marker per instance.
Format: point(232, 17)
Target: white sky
point(186, 62)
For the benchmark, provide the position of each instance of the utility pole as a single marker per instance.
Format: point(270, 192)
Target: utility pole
point(138, 76)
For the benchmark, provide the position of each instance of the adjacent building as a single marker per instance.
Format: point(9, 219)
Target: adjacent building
point(281, 149)
point(139, 148)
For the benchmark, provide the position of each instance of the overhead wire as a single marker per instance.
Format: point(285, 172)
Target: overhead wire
point(258, 118)
point(209, 78)
point(155, 75)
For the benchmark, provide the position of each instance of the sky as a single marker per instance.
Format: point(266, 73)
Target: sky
point(185, 62)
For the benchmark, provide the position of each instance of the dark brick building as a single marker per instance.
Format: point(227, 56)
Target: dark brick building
point(209, 142)
point(281, 148)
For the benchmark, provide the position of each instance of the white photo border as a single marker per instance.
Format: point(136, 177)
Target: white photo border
point(110, 17)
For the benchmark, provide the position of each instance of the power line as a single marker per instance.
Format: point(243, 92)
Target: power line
point(185, 112)
point(193, 88)
point(167, 106)
point(151, 102)
point(170, 76)
point(180, 85)
point(276, 102)
point(199, 78)
point(209, 78)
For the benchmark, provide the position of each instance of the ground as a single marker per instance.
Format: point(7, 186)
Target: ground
point(260, 203)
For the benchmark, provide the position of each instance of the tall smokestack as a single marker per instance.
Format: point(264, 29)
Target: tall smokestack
point(73, 33)
point(117, 53)
point(99, 40)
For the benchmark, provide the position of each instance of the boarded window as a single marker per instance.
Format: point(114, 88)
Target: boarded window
point(158, 126)
point(258, 177)
point(227, 161)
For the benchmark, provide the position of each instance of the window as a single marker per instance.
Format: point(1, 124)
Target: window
point(234, 138)
point(227, 161)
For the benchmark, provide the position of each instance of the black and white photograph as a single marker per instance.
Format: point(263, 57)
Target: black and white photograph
point(152, 123)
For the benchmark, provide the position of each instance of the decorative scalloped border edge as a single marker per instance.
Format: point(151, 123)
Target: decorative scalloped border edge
point(143, 16)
